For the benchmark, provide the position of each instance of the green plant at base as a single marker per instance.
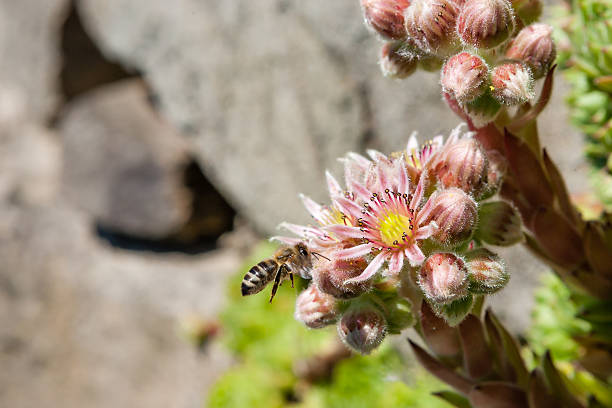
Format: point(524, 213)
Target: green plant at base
point(556, 326)
point(268, 344)
point(585, 53)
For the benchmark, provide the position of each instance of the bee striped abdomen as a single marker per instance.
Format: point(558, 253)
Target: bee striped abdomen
point(258, 277)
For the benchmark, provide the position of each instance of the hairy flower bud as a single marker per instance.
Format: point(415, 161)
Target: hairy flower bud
point(486, 271)
point(500, 224)
point(362, 327)
point(498, 165)
point(463, 164)
point(315, 309)
point(534, 46)
point(431, 24)
point(464, 76)
point(443, 278)
point(455, 214)
point(331, 277)
point(386, 17)
point(512, 84)
point(485, 23)
point(397, 60)
point(527, 10)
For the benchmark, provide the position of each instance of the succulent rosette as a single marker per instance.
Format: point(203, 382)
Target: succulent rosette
point(488, 52)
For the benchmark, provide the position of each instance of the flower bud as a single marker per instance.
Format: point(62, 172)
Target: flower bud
point(362, 328)
point(397, 61)
point(464, 76)
point(500, 224)
point(431, 24)
point(486, 271)
point(463, 164)
point(455, 214)
point(331, 276)
point(398, 315)
point(386, 17)
point(534, 46)
point(485, 23)
point(315, 309)
point(498, 165)
point(443, 278)
point(512, 84)
point(527, 10)
point(482, 110)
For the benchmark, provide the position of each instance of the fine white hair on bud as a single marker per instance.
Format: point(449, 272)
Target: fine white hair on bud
point(385, 17)
point(500, 224)
point(498, 166)
point(487, 272)
point(464, 76)
point(485, 23)
point(397, 60)
point(362, 327)
point(512, 84)
point(443, 278)
point(315, 309)
point(534, 46)
point(334, 277)
point(455, 213)
point(464, 165)
point(431, 25)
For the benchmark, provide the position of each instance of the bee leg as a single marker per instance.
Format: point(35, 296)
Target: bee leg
point(277, 280)
point(290, 273)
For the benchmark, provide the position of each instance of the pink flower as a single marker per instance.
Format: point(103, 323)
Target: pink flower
point(388, 224)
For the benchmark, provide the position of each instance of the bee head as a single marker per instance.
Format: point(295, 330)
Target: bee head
point(302, 250)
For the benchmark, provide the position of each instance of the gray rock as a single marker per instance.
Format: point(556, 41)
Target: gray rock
point(123, 164)
point(29, 45)
point(269, 92)
point(86, 325)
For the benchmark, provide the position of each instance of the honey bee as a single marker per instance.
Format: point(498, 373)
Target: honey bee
point(286, 261)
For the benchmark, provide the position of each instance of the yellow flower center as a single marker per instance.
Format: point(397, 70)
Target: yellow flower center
point(395, 229)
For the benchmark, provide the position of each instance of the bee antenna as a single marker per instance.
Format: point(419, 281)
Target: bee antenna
point(316, 254)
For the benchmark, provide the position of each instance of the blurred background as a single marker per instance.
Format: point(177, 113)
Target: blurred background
point(147, 146)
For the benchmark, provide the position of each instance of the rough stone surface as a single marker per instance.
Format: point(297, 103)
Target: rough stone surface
point(29, 39)
point(269, 92)
point(87, 325)
point(122, 163)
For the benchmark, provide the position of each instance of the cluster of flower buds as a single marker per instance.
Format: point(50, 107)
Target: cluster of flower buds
point(405, 228)
point(490, 51)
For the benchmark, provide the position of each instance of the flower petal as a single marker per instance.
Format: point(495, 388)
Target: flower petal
point(415, 255)
point(358, 160)
point(347, 206)
point(396, 262)
point(302, 230)
point(426, 231)
point(419, 192)
point(403, 184)
point(413, 143)
point(376, 155)
point(332, 185)
point(425, 212)
point(286, 240)
point(371, 270)
point(343, 231)
point(316, 210)
point(360, 190)
point(354, 252)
